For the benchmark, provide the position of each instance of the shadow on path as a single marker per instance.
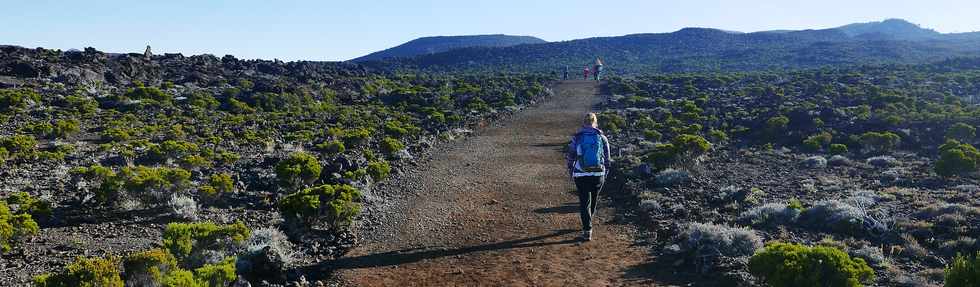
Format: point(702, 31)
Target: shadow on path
point(418, 254)
point(571, 207)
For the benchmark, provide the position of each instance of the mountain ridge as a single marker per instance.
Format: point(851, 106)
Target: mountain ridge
point(437, 44)
point(709, 49)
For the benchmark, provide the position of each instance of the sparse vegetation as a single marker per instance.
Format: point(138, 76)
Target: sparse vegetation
point(783, 265)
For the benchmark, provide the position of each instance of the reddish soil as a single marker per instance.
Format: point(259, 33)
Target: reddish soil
point(498, 209)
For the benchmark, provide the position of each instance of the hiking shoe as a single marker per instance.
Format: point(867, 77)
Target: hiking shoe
point(587, 235)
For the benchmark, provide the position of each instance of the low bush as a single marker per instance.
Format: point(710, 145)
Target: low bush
point(957, 158)
point(267, 251)
point(964, 271)
point(27, 204)
point(391, 146)
point(148, 268)
point(961, 132)
point(85, 272)
point(672, 177)
point(838, 149)
point(19, 146)
point(298, 169)
point(335, 205)
point(771, 214)
point(706, 242)
point(191, 243)
point(786, 265)
point(14, 227)
point(879, 142)
point(378, 170)
point(332, 147)
point(15, 99)
point(817, 142)
point(184, 207)
point(882, 161)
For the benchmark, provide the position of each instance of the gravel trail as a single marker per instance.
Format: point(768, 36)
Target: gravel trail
point(496, 209)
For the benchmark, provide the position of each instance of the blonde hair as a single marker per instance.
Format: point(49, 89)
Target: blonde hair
point(591, 120)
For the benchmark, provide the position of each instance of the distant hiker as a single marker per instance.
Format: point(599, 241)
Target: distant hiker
point(565, 74)
point(587, 160)
point(597, 70)
point(585, 73)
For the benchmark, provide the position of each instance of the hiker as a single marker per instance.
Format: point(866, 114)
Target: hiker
point(587, 159)
point(598, 68)
point(585, 74)
point(565, 74)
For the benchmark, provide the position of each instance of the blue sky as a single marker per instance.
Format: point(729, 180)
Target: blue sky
point(340, 30)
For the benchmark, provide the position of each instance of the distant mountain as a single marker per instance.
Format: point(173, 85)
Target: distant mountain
point(891, 28)
point(704, 49)
point(432, 45)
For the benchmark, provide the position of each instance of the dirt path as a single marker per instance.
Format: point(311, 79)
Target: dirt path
point(497, 210)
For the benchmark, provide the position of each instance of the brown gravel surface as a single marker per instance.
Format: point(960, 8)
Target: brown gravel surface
point(497, 209)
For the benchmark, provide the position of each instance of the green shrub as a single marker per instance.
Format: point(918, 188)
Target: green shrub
point(19, 146)
point(477, 104)
point(172, 149)
point(718, 135)
point(611, 122)
point(148, 266)
point(203, 100)
point(65, 128)
point(354, 137)
point(187, 241)
point(85, 272)
point(880, 142)
point(29, 204)
point(961, 132)
point(964, 272)
point(957, 158)
point(333, 147)
point(15, 99)
point(142, 179)
point(298, 169)
point(116, 134)
point(108, 185)
point(238, 107)
point(652, 135)
point(785, 265)
point(335, 205)
point(80, 104)
point(218, 274)
point(400, 129)
point(816, 142)
point(690, 145)
point(777, 123)
point(181, 278)
point(390, 146)
point(662, 155)
point(838, 149)
point(222, 182)
point(14, 226)
point(378, 170)
point(151, 95)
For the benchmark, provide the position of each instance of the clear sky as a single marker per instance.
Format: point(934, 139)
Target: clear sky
point(341, 30)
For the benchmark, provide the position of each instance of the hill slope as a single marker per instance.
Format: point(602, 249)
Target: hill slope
point(893, 28)
point(431, 45)
point(701, 49)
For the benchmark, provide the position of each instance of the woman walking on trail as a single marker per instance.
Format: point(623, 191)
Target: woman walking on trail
point(587, 160)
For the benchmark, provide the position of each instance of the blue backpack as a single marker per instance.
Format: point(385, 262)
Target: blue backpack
point(590, 152)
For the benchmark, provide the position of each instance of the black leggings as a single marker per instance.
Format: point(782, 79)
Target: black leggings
point(588, 197)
